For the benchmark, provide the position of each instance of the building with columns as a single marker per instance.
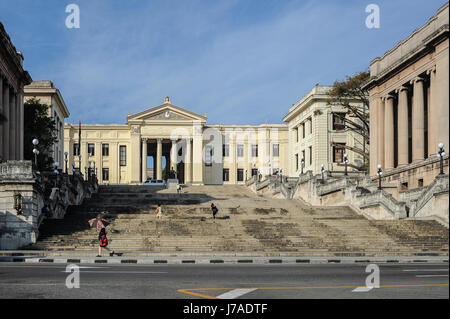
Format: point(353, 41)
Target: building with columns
point(409, 105)
point(13, 78)
point(180, 144)
point(46, 93)
point(318, 136)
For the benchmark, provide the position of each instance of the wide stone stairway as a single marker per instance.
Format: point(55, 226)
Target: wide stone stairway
point(244, 223)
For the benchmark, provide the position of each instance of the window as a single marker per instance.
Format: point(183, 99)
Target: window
point(254, 150)
point(226, 174)
point(105, 174)
point(303, 157)
point(254, 171)
point(91, 149)
point(208, 155)
point(123, 155)
point(76, 149)
point(226, 150)
point(338, 122)
point(240, 174)
point(310, 155)
point(338, 153)
point(276, 150)
point(296, 162)
point(105, 149)
point(420, 182)
point(296, 134)
point(310, 125)
point(303, 130)
point(240, 150)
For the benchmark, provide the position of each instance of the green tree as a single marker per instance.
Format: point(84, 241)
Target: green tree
point(37, 124)
point(350, 94)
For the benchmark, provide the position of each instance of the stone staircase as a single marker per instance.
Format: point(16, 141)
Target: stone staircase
point(246, 222)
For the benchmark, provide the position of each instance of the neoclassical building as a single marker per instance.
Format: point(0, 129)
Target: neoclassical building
point(47, 93)
point(13, 78)
point(177, 142)
point(318, 136)
point(409, 105)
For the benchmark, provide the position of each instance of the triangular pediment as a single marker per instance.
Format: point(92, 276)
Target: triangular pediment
point(166, 112)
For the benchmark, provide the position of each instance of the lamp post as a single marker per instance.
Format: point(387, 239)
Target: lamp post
point(35, 152)
point(441, 154)
point(379, 173)
point(55, 166)
point(79, 162)
point(345, 163)
point(66, 159)
point(303, 163)
point(93, 170)
point(322, 170)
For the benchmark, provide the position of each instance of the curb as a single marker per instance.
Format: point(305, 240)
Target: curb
point(220, 261)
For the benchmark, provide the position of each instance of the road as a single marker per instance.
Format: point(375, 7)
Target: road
point(285, 281)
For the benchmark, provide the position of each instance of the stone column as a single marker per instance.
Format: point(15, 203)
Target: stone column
point(1, 112)
point(442, 99)
point(197, 143)
point(13, 127)
point(433, 115)
point(389, 133)
point(380, 130)
point(159, 159)
point(418, 134)
point(144, 159)
point(20, 108)
point(402, 125)
point(173, 155)
point(188, 162)
point(6, 125)
point(374, 103)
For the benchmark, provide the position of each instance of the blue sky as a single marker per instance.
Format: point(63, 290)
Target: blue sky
point(241, 62)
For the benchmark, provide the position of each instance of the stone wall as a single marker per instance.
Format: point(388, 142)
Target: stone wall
point(19, 225)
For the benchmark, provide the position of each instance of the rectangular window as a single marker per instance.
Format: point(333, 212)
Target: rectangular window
point(338, 153)
point(310, 155)
point(303, 157)
point(296, 162)
point(208, 155)
point(123, 155)
point(276, 150)
point(254, 171)
point(338, 122)
point(91, 149)
point(310, 125)
point(226, 174)
point(76, 149)
point(303, 130)
point(296, 134)
point(254, 150)
point(105, 149)
point(226, 150)
point(105, 174)
point(240, 150)
point(240, 175)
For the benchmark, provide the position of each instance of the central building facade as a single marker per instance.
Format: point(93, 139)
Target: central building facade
point(168, 141)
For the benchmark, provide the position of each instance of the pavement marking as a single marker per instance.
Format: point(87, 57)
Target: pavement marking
point(362, 289)
point(421, 276)
point(190, 292)
point(419, 270)
point(233, 294)
point(121, 272)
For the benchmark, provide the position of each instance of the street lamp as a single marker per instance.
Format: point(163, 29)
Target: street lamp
point(379, 173)
point(346, 162)
point(441, 155)
point(66, 159)
point(303, 163)
point(93, 170)
point(35, 151)
point(322, 170)
point(79, 162)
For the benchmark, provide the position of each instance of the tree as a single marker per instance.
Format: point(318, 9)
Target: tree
point(355, 100)
point(37, 124)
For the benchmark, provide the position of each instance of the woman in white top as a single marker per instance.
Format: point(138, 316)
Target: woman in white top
point(159, 211)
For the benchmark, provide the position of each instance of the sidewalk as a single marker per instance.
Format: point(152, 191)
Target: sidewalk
point(142, 257)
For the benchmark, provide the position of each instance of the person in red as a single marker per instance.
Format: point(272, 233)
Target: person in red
point(98, 222)
point(103, 243)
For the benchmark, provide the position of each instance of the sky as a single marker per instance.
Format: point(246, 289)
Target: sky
point(240, 61)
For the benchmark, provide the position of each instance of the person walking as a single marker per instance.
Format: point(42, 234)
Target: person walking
point(158, 211)
point(214, 210)
point(178, 188)
point(103, 243)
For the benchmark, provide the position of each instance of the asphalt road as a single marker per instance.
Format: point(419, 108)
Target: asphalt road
point(285, 281)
